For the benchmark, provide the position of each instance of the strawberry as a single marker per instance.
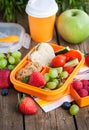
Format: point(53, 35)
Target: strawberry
point(69, 69)
point(27, 105)
point(4, 78)
point(37, 79)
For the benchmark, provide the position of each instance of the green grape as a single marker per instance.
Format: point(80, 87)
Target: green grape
point(8, 54)
point(46, 76)
point(60, 84)
point(17, 61)
point(45, 88)
point(59, 70)
point(16, 54)
point(51, 85)
point(64, 74)
point(2, 56)
point(53, 73)
point(74, 109)
point(56, 81)
point(11, 60)
point(3, 63)
point(11, 67)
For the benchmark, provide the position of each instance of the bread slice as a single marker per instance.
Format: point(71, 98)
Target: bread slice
point(43, 54)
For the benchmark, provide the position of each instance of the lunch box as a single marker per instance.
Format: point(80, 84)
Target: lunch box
point(47, 95)
point(81, 101)
point(12, 29)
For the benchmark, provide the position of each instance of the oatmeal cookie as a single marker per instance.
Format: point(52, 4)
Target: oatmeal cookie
point(28, 70)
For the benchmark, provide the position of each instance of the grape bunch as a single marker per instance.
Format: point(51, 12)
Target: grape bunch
point(55, 78)
point(9, 60)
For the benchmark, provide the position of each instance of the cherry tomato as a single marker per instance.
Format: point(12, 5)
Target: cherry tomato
point(69, 69)
point(59, 60)
point(72, 54)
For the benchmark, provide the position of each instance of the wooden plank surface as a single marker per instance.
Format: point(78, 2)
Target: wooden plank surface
point(82, 119)
point(10, 118)
point(58, 119)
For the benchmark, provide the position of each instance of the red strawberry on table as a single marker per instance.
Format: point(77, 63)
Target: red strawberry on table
point(27, 105)
point(4, 78)
point(37, 79)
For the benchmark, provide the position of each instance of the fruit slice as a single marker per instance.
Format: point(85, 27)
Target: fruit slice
point(72, 63)
point(62, 51)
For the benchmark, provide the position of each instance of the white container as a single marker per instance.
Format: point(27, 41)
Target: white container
point(8, 29)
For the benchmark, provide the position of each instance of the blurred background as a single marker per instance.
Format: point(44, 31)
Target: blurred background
point(10, 10)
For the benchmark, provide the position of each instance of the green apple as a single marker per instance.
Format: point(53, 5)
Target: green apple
point(73, 25)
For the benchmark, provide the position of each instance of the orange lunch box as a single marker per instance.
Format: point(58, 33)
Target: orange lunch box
point(47, 95)
point(81, 101)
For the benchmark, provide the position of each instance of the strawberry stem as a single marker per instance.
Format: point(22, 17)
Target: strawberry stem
point(19, 99)
point(23, 95)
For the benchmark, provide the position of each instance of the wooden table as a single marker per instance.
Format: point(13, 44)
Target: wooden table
point(58, 119)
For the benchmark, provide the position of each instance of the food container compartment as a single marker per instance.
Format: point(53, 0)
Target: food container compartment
point(42, 93)
point(81, 101)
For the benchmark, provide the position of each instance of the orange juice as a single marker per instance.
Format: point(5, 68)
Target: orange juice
point(41, 19)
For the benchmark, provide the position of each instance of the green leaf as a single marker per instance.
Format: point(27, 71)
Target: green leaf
point(63, 6)
point(70, 2)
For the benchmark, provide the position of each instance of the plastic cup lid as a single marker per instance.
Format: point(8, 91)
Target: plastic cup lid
point(41, 8)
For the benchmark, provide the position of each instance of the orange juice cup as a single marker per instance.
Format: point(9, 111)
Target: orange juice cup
point(41, 19)
point(41, 29)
